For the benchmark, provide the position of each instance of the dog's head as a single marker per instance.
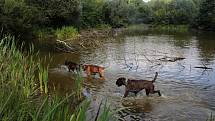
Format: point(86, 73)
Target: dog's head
point(120, 81)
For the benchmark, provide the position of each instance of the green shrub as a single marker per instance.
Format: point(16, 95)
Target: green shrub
point(66, 33)
point(103, 27)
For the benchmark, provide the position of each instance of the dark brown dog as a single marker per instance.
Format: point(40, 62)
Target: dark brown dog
point(93, 69)
point(136, 86)
point(72, 66)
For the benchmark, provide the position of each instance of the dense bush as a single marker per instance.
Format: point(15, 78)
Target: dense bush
point(57, 13)
point(173, 11)
point(206, 17)
point(91, 14)
point(21, 17)
point(16, 17)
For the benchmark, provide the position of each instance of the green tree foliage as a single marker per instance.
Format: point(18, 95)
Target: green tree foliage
point(119, 13)
point(91, 14)
point(116, 12)
point(57, 13)
point(142, 13)
point(16, 17)
point(206, 18)
point(21, 17)
point(173, 11)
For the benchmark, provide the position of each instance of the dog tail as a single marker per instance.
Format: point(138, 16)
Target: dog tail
point(156, 75)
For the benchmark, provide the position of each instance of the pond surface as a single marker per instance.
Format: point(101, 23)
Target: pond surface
point(188, 93)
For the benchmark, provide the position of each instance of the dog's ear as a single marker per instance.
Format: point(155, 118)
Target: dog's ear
point(120, 81)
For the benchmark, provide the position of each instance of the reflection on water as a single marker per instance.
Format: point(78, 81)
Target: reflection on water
point(188, 92)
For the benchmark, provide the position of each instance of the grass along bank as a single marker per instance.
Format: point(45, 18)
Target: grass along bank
point(140, 29)
point(24, 90)
point(69, 33)
point(64, 33)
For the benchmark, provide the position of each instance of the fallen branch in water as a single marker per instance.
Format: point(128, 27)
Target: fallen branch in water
point(171, 59)
point(97, 114)
point(202, 67)
point(63, 46)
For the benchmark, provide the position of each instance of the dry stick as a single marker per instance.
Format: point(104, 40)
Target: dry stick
point(82, 44)
point(97, 114)
point(65, 44)
point(147, 58)
point(136, 58)
point(126, 63)
point(205, 67)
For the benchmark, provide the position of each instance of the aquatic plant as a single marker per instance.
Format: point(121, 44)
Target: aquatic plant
point(20, 99)
point(80, 114)
point(211, 118)
point(105, 113)
point(43, 78)
point(66, 33)
point(78, 86)
point(43, 33)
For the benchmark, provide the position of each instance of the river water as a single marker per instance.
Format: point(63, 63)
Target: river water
point(188, 93)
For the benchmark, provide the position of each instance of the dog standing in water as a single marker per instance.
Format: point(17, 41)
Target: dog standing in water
point(136, 86)
point(93, 70)
point(72, 66)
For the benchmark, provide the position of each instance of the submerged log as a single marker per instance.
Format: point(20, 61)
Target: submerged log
point(203, 67)
point(171, 59)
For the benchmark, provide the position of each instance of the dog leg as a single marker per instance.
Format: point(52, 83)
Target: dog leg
point(135, 93)
point(157, 91)
point(126, 94)
point(101, 75)
point(147, 92)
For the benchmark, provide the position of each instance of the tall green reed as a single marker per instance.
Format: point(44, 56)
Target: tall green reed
point(211, 117)
point(80, 114)
point(20, 85)
point(19, 89)
point(105, 113)
point(43, 78)
point(78, 86)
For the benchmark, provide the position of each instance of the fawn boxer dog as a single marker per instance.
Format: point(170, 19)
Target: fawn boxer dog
point(93, 69)
point(136, 86)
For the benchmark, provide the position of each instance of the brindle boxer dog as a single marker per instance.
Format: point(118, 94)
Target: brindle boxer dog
point(93, 69)
point(136, 86)
point(72, 66)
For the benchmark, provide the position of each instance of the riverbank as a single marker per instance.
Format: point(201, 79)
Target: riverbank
point(94, 37)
